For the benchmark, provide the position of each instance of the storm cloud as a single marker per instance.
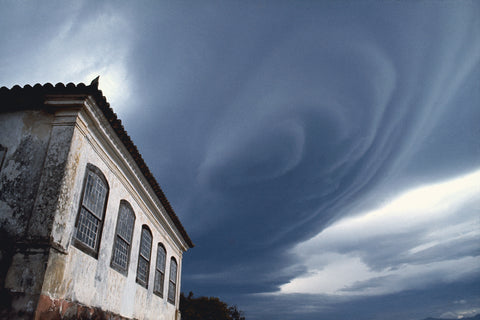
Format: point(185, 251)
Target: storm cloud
point(323, 156)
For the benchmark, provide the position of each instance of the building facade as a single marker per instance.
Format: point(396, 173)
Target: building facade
point(86, 231)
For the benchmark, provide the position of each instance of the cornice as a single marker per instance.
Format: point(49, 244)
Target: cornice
point(61, 95)
point(108, 147)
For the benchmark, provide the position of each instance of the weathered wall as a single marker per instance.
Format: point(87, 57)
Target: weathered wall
point(31, 174)
point(58, 309)
point(81, 278)
point(26, 136)
point(41, 183)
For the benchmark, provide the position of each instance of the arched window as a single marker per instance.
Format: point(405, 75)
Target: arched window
point(144, 256)
point(89, 224)
point(172, 284)
point(123, 238)
point(160, 270)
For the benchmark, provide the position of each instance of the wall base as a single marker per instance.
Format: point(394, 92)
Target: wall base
point(60, 309)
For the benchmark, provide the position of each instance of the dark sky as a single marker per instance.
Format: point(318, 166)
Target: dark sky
point(324, 156)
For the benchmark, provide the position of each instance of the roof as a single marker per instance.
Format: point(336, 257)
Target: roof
point(36, 95)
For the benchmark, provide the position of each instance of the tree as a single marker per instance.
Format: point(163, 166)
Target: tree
point(207, 308)
point(236, 314)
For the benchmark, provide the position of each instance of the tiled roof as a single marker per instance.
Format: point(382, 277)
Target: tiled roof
point(36, 95)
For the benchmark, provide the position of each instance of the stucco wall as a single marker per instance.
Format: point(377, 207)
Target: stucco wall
point(30, 177)
point(26, 136)
point(41, 182)
point(77, 276)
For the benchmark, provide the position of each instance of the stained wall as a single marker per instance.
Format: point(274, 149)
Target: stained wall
point(41, 183)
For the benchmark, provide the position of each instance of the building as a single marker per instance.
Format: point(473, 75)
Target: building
point(86, 231)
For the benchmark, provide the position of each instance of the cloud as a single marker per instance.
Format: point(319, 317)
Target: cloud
point(248, 158)
point(304, 115)
point(68, 43)
point(461, 312)
point(266, 124)
point(426, 235)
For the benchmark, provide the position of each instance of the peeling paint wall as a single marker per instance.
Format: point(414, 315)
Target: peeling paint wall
point(26, 136)
point(58, 309)
point(42, 273)
point(32, 169)
point(91, 281)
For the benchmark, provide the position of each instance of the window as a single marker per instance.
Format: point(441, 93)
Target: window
point(172, 285)
point(144, 256)
point(160, 270)
point(123, 238)
point(88, 228)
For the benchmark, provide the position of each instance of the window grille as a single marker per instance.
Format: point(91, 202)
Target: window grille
point(172, 285)
point(92, 209)
point(160, 270)
point(144, 257)
point(123, 237)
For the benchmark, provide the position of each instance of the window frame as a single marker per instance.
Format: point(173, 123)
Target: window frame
point(140, 256)
point(159, 271)
point(77, 242)
point(113, 264)
point(172, 282)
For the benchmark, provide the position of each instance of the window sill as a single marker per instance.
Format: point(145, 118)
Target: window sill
point(141, 283)
point(85, 249)
point(123, 272)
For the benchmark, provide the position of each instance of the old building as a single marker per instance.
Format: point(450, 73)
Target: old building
point(86, 231)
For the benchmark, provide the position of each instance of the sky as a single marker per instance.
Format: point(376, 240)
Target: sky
point(324, 156)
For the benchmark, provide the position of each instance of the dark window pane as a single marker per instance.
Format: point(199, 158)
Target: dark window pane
point(92, 209)
point(123, 239)
point(94, 195)
point(126, 220)
point(146, 244)
point(160, 270)
point(120, 253)
point(161, 259)
point(172, 284)
point(159, 279)
point(171, 292)
point(87, 228)
point(144, 256)
point(142, 271)
point(173, 271)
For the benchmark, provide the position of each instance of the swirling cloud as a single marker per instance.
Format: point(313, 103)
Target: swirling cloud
point(316, 117)
point(250, 157)
point(268, 125)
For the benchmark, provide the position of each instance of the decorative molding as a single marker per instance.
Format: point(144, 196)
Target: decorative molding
point(111, 150)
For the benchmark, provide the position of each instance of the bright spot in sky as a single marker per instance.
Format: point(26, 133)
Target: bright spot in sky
point(113, 83)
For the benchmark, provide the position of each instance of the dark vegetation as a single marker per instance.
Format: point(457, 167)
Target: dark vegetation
point(207, 308)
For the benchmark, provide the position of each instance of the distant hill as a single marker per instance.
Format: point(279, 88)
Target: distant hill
point(477, 317)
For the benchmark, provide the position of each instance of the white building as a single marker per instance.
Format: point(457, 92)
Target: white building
point(85, 230)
